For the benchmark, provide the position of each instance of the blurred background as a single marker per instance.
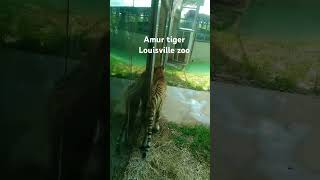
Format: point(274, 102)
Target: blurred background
point(265, 55)
point(39, 42)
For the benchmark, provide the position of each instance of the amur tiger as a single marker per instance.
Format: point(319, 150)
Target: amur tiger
point(136, 95)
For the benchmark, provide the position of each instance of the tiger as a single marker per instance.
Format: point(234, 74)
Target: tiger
point(154, 107)
point(135, 97)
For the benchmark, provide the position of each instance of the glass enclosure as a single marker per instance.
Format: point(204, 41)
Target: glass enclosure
point(87, 24)
point(35, 26)
point(128, 27)
point(193, 25)
point(131, 22)
point(32, 45)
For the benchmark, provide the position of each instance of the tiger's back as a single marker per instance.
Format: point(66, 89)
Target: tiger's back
point(135, 95)
point(158, 92)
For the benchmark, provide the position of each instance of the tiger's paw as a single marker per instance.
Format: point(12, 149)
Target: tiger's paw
point(144, 150)
point(144, 155)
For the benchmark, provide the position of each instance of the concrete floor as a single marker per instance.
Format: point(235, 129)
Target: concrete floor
point(185, 105)
point(181, 105)
point(265, 135)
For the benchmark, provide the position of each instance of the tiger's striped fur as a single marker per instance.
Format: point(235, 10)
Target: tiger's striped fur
point(154, 106)
point(134, 97)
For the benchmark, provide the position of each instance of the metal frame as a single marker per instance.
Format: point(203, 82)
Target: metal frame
point(175, 62)
point(153, 33)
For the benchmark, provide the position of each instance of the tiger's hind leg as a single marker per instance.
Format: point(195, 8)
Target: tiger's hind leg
point(156, 126)
point(147, 139)
point(131, 131)
point(122, 132)
point(128, 123)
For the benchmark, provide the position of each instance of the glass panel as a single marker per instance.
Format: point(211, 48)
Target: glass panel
point(129, 26)
point(36, 26)
point(271, 51)
point(130, 23)
point(32, 46)
point(192, 68)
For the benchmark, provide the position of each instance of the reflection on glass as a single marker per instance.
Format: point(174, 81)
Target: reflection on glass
point(32, 38)
point(33, 26)
point(88, 23)
point(133, 3)
point(130, 23)
point(128, 28)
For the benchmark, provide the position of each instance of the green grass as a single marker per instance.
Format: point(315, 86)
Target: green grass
point(259, 76)
point(173, 76)
point(194, 137)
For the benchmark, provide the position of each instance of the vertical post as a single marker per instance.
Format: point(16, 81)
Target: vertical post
point(166, 31)
point(151, 57)
point(60, 150)
point(193, 33)
point(168, 25)
point(67, 37)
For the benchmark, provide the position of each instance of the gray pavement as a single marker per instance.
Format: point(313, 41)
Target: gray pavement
point(265, 135)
